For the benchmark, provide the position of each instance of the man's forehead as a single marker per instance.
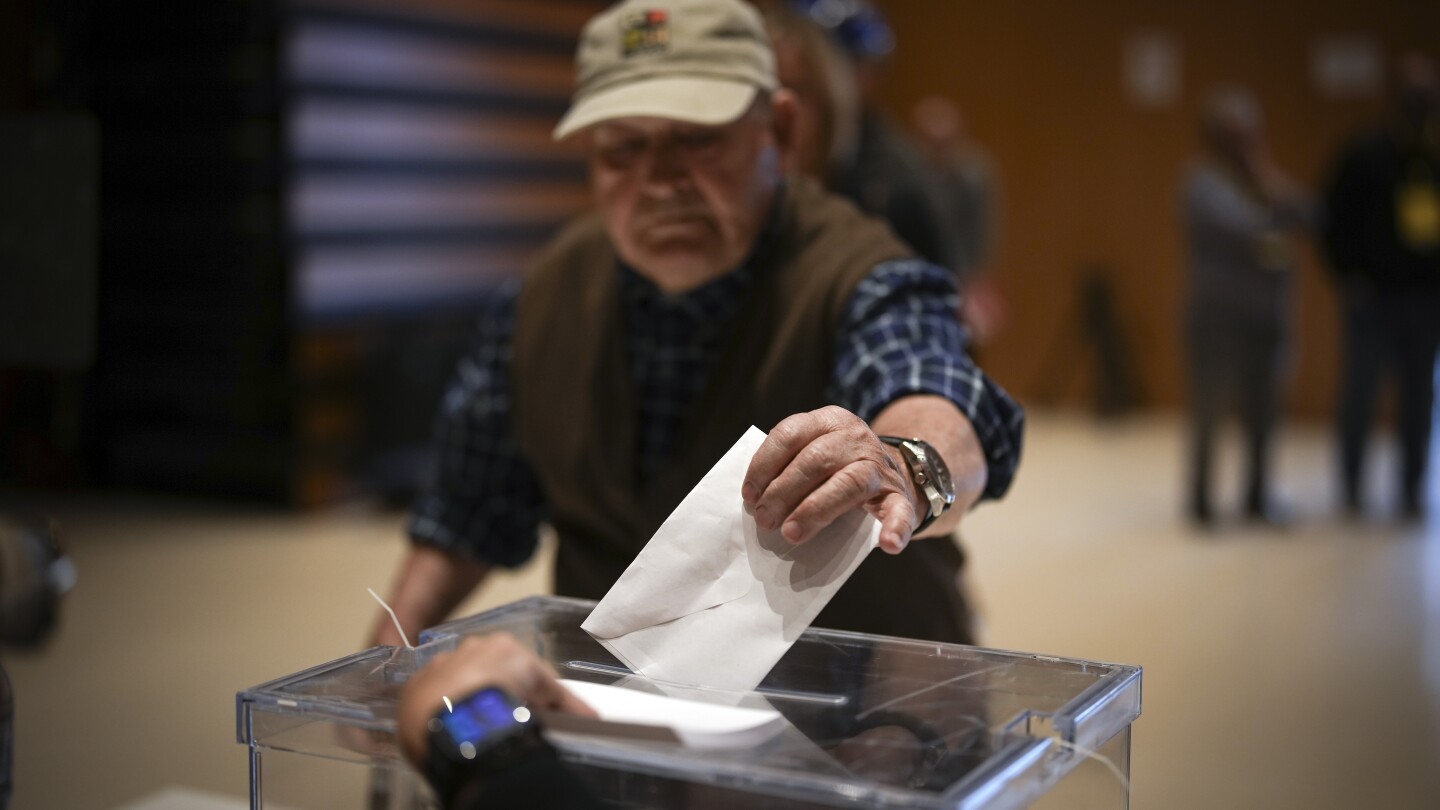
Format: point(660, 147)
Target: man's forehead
point(651, 125)
point(648, 123)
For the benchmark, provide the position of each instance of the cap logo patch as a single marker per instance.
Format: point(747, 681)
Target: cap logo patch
point(644, 32)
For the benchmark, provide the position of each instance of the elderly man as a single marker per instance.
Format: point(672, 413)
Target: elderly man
point(705, 294)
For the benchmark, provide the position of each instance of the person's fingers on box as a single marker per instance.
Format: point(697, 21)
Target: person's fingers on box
point(502, 644)
point(848, 488)
point(543, 680)
point(481, 661)
point(528, 678)
point(570, 703)
point(533, 681)
point(520, 674)
point(551, 694)
point(566, 699)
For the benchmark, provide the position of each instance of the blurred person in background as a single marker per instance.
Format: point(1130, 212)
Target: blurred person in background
point(1382, 237)
point(832, 54)
point(810, 63)
point(35, 574)
point(967, 177)
point(969, 189)
point(1238, 211)
point(709, 290)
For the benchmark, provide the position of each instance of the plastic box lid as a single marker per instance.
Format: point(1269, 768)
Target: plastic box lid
point(874, 721)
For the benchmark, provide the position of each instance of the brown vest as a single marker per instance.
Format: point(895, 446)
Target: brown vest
point(575, 411)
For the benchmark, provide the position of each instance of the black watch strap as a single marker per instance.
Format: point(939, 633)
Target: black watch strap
point(925, 524)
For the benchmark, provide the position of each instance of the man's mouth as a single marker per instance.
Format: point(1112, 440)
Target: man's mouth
point(686, 228)
point(672, 217)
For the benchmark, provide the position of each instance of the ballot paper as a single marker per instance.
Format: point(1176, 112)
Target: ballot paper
point(713, 599)
point(633, 714)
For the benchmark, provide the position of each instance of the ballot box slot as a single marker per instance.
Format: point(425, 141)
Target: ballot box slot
point(791, 695)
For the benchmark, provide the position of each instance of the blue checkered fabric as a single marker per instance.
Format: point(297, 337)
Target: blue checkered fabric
point(674, 342)
point(900, 337)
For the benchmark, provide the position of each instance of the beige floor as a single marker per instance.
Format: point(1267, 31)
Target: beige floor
point(1282, 670)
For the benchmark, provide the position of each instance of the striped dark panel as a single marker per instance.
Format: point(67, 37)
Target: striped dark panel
point(424, 129)
point(422, 173)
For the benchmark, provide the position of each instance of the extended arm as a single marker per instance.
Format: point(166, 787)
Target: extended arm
point(901, 363)
point(483, 506)
point(428, 585)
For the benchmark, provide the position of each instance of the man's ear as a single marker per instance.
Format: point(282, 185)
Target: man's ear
point(783, 111)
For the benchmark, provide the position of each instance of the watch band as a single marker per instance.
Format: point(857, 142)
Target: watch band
point(929, 473)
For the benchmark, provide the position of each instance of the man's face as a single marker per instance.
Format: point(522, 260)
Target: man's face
point(683, 203)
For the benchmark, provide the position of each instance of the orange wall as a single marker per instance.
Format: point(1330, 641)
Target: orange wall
point(1089, 177)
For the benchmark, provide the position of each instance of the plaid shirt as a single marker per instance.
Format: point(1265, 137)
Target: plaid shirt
point(900, 336)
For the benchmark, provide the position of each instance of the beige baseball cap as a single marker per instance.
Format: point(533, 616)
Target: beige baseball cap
point(699, 61)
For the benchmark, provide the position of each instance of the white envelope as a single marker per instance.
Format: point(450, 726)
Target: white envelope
point(712, 599)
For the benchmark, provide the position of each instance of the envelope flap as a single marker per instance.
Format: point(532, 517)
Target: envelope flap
point(660, 586)
point(703, 541)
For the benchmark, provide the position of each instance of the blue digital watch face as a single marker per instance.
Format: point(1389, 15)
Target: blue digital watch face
point(480, 716)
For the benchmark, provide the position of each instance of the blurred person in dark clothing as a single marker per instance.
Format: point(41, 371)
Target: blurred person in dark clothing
point(866, 158)
point(811, 64)
point(1382, 237)
point(1238, 208)
point(966, 176)
point(34, 575)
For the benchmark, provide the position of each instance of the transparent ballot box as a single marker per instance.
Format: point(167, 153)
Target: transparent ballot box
point(869, 721)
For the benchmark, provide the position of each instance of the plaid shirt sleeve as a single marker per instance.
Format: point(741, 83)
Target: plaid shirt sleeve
point(900, 337)
point(483, 500)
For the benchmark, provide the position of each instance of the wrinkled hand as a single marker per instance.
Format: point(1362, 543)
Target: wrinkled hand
point(816, 466)
point(494, 660)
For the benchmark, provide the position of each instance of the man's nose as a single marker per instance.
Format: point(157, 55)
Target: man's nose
point(665, 170)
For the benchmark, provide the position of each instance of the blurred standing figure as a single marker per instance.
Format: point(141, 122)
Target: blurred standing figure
point(1382, 234)
point(966, 176)
point(1238, 207)
point(856, 150)
point(811, 64)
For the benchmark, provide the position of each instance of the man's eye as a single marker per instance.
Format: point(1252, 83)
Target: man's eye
point(694, 141)
point(619, 154)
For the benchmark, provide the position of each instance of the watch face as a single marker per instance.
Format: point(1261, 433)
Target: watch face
point(928, 469)
point(939, 473)
point(942, 474)
point(482, 718)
